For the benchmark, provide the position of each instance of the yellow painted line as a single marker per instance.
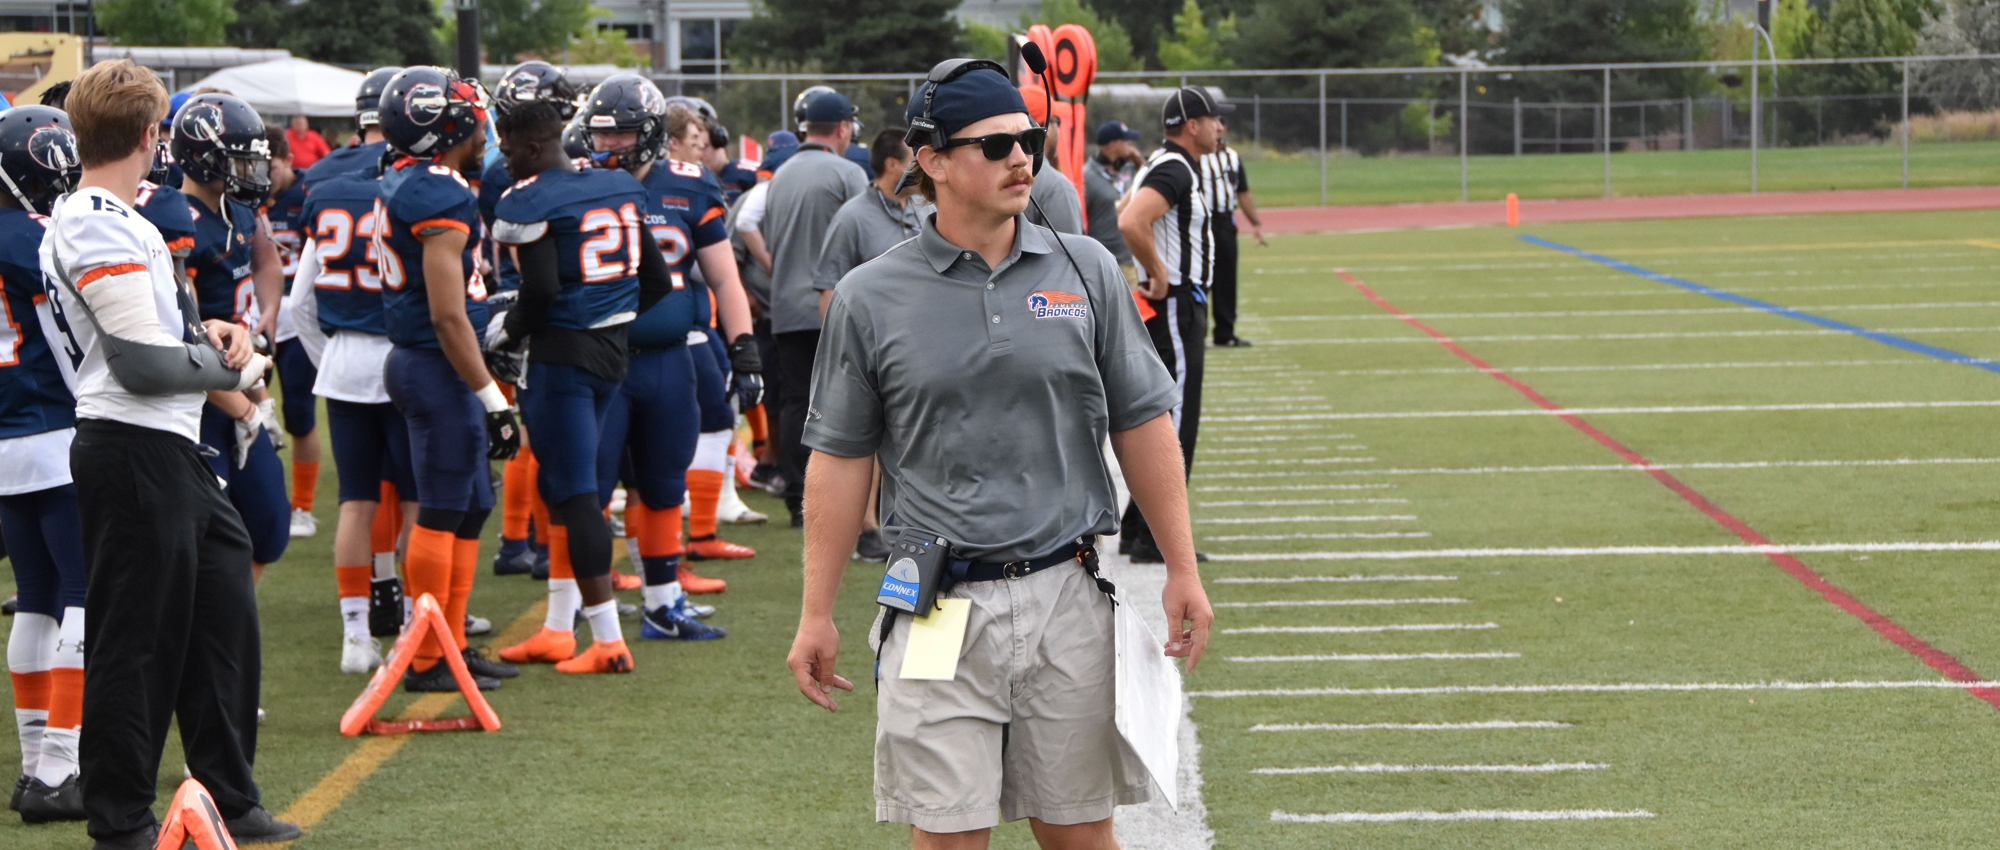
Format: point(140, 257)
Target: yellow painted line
point(1983, 243)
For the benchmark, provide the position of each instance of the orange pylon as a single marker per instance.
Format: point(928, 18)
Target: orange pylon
point(428, 619)
point(192, 818)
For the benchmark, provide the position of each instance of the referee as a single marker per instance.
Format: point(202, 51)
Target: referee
point(1227, 189)
point(985, 362)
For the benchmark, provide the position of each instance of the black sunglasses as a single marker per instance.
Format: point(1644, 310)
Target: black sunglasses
point(997, 146)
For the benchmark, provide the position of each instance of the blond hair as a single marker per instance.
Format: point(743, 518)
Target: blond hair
point(110, 106)
point(679, 118)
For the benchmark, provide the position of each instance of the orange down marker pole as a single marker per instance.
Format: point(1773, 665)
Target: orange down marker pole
point(1513, 210)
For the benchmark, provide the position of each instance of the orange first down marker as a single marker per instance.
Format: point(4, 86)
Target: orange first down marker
point(428, 620)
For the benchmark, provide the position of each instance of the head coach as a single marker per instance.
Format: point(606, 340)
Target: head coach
point(984, 362)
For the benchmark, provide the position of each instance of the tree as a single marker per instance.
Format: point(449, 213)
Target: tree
point(1460, 24)
point(1858, 28)
point(1149, 22)
point(1193, 47)
point(985, 41)
point(1114, 44)
point(862, 36)
point(1336, 34)
point(1962, 27)
point(364, 32)
point(602, 46)
point(1548, 32)
point(169, 23)
point(509, 28)
point(259, 23)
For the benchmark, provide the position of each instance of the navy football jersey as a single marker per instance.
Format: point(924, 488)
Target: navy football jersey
point(684, 213)
point(219, 268)
point(340, 219)
point(169, 212)
point(288, 227)
point(33, 396)
point(420, 195)
point(736, 178)
point(594, 216)
point(494, 182)
point(342, 161)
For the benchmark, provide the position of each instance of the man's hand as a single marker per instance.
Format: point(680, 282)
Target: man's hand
point(1188, 617)
point(1257, 231)
point(811, 660)
point(232, 340)
point(503, 434)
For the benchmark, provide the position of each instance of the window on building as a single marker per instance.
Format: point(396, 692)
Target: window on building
point(703, 44)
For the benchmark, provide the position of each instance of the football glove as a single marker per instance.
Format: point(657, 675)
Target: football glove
point(268, 411)
point(746, 373)
point(503, 434)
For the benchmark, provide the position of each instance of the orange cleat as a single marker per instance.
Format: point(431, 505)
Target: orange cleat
point(717, 549)
point(622, 581)
point(547, 646)
point(601, 657)
point(700, 584)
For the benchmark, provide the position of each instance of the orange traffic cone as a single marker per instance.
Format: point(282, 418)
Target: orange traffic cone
point(428, 619)
point(192, 818)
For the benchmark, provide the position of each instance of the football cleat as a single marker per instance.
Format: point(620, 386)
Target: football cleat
point(258, 827)
point(627, 609)
point(304, 524)
point(717, 549)
point(545, 646)
point(480, 665)
point(673, 622)
point(623, 581)
point(870, 546)
point(385, 607)
point(41, 803)
point(359, 654)
point(477, 626)
point(601, 657)
point(438, 680)
point(765, 477)
point(539, 570)
point(515, 558)
point(700, 584)
point(698, 610)
point(20, 787)
point(12, 604)
point(731, 510)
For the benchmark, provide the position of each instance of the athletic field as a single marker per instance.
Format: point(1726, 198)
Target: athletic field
point(1500, 533)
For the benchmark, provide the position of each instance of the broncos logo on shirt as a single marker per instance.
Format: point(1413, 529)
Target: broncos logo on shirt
point(1056, 304)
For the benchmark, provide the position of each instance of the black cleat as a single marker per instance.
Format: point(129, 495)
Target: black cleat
point(480, 665)
point(20, 785)
point(438, 680)
point(870, 546)
point(539, 570)
point(514, 564)
point(10, 606)
point(765, 477)
point(1200, 557)
point(1232, 342)
point(43, 804)
point(385, 607)
point(142, 839)
point(258, 827)
point(1146, 551)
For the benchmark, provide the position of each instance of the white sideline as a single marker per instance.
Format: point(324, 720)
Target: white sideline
point(1410, 656)
point(1279, 487)
point(1579, 314)
point(1359, 630)
point(1606, 411)
point(1271, 519)
point(1325, 603)
point(1363, 340)
point(1592, 551)
point(1330, 579)
point(1465, 815)
point(1289, 461)
point(1410, 727)
point(1272, 438)
point(1332, 535)
point(1610, 688)
point(1588, 467)
point(1637, 367)
point(1548, 767)
point(1275, 503)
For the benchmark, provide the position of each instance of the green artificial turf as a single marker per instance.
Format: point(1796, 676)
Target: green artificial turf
point(709, 745)
point(1295, 182)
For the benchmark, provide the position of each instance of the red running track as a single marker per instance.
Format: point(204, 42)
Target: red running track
point(1938, 659)
point(1484, 213)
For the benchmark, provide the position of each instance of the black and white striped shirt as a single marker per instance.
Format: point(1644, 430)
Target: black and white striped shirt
point(1181, 237)
point(1221, 178)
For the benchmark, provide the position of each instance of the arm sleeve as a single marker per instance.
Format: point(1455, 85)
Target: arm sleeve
point(305, 304)
point(844, 413)
point(1137, 388)
point(656, 279)
point(541, 282)
point(1172, 181)
point(712, 226)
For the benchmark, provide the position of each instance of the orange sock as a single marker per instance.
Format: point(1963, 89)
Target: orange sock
point(429, 570)
point(353, 581)
point(660, 533)
point(559, 563)
point(305, 479)
point(31, 690)
point(65, 697)
point(464, 566)
point(704, 491)
point(760, 427)
point(636, 514)
point(517, 496)
point(388, 521)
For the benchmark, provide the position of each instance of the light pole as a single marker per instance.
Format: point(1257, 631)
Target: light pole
point(468, 39)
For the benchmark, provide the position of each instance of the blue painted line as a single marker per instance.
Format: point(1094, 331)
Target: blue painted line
point(1890, 340)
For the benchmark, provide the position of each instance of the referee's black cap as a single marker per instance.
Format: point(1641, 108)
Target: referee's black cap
point(1192, 102)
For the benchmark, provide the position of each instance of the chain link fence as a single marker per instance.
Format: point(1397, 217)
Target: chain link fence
point(1357, 136)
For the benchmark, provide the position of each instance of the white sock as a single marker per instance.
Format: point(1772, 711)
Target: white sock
point(354, 616)
point(564, 599)
point(385, 565)
point(59, 746)
point(632, 547)
point(711, 451)
point(603, 619)
point(657, 595)
point(31, 648)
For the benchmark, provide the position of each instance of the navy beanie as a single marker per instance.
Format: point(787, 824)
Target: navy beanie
point(977, 95)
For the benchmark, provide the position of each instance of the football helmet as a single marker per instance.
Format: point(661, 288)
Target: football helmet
point(535, 81)
point(219, 138)
point(368, 100)
point(625, 103)
point(426, 111)
point(38, 158)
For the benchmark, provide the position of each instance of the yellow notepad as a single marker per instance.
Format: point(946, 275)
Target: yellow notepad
point(935, 641)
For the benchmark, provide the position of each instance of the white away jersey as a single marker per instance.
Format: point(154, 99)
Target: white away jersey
point(95, 236)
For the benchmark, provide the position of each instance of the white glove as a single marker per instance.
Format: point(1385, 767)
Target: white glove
point(267, 410)
point(246, 436)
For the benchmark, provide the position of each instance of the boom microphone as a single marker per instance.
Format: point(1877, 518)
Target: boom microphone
point(1031, 53)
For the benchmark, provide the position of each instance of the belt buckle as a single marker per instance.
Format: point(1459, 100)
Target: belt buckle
point(1013, 569)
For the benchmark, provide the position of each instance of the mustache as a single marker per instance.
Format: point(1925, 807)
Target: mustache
point(1019, 175)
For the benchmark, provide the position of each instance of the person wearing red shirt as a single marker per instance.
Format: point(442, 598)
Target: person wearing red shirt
point(307, 144)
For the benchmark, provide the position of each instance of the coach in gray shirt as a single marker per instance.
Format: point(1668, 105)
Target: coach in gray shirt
point(804, 195)
point(873, 221)
point(984, 363)
point(1104, 181)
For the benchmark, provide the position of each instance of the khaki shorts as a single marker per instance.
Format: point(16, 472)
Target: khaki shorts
point(1026, 730)
point(1131, 275)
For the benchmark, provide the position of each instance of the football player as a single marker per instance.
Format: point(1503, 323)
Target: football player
point(295, 370)
point(38, 512)
point(368, 121)
point(427, 238)
point(218, 141)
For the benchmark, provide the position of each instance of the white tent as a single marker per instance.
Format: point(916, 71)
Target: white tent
point(289, 87)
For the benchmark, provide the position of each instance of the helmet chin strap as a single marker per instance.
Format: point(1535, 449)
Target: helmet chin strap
point(16, 191)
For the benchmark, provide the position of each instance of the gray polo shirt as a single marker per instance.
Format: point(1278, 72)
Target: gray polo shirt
point(1058, 198)
point(803, 197)
point(987, 394)
point(865, 226)
point(1100, 196)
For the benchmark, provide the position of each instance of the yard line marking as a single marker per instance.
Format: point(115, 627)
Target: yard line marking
point(1562, 413)
point(1597, 467)
point(1260, 520)
point(1360, 630)
point(1321, 603)
point(1886, 333)
point(1637, 367)
point(1464, 815)
point(1546, 767)
point(1609, 688)
point(1768, 549)
point(1306, 427)
point(1410, 727)
point(1232, 489)
point(1883, 337)
point(1668, 311)
point(1324, 579)
point(1272, 438)
point(1935, 658)
point(1331, 535)
point(1272, 503)
point(1414, 656)
point(1289, 461)
point(1259, 450)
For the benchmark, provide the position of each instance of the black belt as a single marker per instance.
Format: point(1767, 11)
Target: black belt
point(996, 570)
